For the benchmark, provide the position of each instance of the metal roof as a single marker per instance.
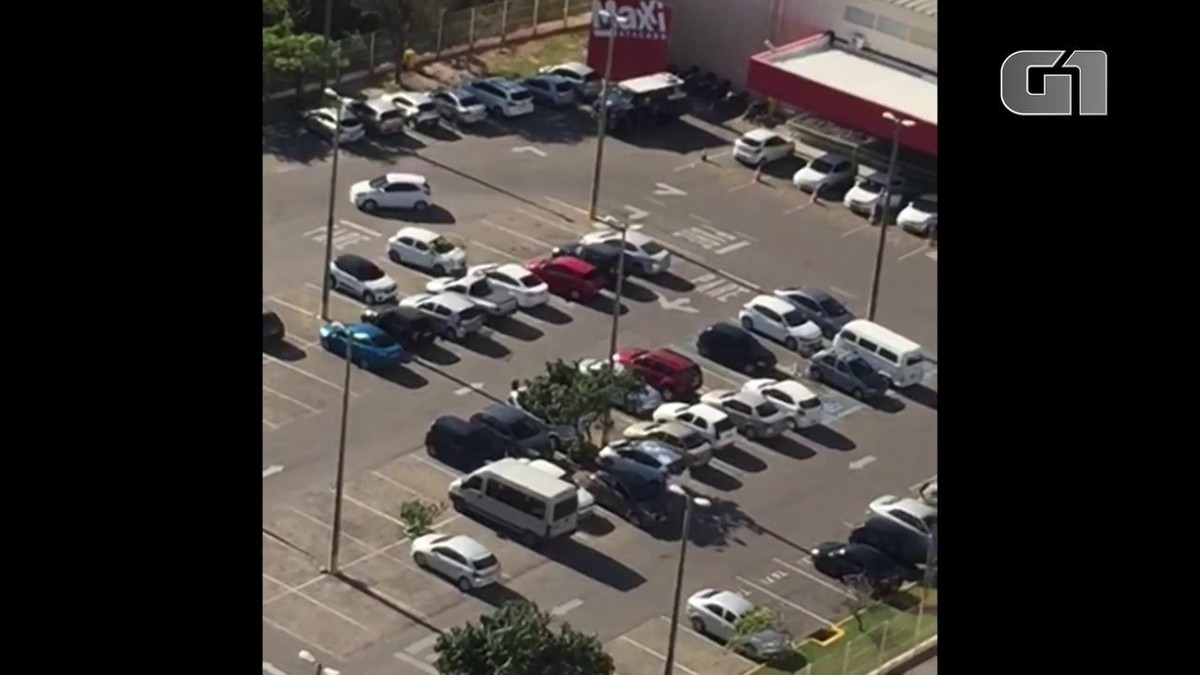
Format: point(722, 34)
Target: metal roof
point(926, 7)
point(865, 79)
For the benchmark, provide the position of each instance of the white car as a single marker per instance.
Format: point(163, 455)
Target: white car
point(454, 315)
point(640, 402)
point(379, 114)
point(913, 514)
point(392, 191)
point(750, 411)
point(863, 197)
point(427, 250)
point(323, 122)
point(716, 612)
point(712, 422)
point(417, 108)
point(457, 557)
point(760, 146)
point(643, 255)
point(587, 503)
point(361, 278)
point(679, 437)
point(920, 216)
point(503, 98)
point(781, 321)
point(798, 400)
point(827, 171)
point(928, 493)
point(492, 299)
point(460, 105)
point(584, 78)
point(526, 287)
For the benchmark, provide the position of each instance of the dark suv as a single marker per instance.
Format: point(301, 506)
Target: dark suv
point(407, 325)
point(273, 331)
point(465, 445)
point(674, 375)
point(731, 346)
point(644, 503)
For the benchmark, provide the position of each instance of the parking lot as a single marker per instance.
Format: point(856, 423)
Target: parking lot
point(506, 203)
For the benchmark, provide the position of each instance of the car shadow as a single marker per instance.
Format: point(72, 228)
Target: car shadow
point(385, 147)
point(498, 595)
point(487, 128)
point(289, 141)
point(679, 136)
point(434, 215)
point(790, 447)
point(783, 169)
point(637, 292)
point(285, 351)
point(715, 479)
point(549, 314)
point(441, 131)
point(605, 305)
point(735, 456)
point(717, 526)
point(515, 328)
point(593, 564)
point(596, 525)
point(888, 404)
point(404, 377)
point(920, 394)
point(365, 588)
point(828, 437)
point(563, 125)
point(485, 346)
point(671, 282)
point(436, 354)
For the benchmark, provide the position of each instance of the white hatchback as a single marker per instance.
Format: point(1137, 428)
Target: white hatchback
point(457, 557)
point(760, 146)
point(804, 406)
point(779, 320)
point(644, 255)
point(716, 426)
point(826, 171)
point(417, 108)
point(863, 197)
point(526, 287)
point(427, 250)
point(920, 216)
point(392, 191)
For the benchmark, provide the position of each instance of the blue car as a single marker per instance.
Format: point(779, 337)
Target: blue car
point(372, 348)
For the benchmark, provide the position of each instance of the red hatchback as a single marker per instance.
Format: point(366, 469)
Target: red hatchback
point(568, 277)
point(674, 375)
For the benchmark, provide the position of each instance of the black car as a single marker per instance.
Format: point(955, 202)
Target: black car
point(731, 346)
point(644, 503)
point(273, 331)
point(409, 326)
point(818, 307)
point(898, 542)
point(604, 256)
point(523, 429)
point(841, 561)
point(465, 445)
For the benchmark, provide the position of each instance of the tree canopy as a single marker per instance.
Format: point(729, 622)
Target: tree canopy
point(567, 395)
point(519, 639)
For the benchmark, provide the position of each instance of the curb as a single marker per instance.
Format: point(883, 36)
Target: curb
point(913, 656)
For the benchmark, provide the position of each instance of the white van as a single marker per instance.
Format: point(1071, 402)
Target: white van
point(897, 357)
point(519, 497)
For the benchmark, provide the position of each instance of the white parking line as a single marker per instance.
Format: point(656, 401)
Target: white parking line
point(298, 637)
point(514, 233)
point(429, 462)
point(650, 651)
point(305, 373)
point(493, 249)
point(416, 663)
point(785, 601)
point(917, 486)
point(706, 221)
point(421, 645)
point(270, 425)
point(400, 485)
point(334, 294)
point(739, 187)
point(289, 399)
point(915, 251)
point(361, 228)
point(372, 509)
point(270, 669)
point(726, 467)
point(565, 205)
point(732, 247)
point(856, 230)
point(819, 580)
point(295, 308)
point(657, 202)
point(546, 221)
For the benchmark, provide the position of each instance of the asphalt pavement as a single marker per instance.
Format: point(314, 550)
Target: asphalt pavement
point(509, 194)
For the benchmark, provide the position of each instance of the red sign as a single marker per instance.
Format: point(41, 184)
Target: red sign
point(639, 31)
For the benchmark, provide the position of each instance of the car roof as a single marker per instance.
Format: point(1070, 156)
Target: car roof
point(750, 398)
point(504, 412)
point(576, 67)
point(407, 178)
point(414, 96)
point(512, 270)
point(453, 301)
point(672, 358)
point(707, 412)
point(794, 389)
point(417, 233)
point(727, 329)
point(773, 303)
point(916, 507)
point(551, 78)
point(460, 92)
point(877, 333)
point(504, 84)
point(647, 445)
point(677, 429)
point(734, 602)
point(468, 547)
point(834, 158)
point(575, 265)
point(352, 263)
point(651, 82)
point(379, 104)
point(760, 134)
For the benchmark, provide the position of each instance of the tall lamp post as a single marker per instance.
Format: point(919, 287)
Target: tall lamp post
point(307, 657)
point(886, 197)
point(602, 128)
point(690, 503)
point(340, 110)
point(616, 316)
point(336, 537)
point(325, 43)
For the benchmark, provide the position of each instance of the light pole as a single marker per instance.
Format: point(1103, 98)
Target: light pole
point(886, 197)
point(616, 318)
point(336, 537)
point(602, 130)
point(337, 141)
point(307, 657)
point(690, 502)
point(325, 43)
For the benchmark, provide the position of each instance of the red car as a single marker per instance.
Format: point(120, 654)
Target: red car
point(674, 375)
point(568, 277)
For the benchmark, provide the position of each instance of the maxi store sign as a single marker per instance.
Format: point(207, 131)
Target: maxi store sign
point(641, 37)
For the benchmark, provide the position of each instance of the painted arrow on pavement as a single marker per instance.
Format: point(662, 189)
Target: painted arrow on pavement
point(665, 190)
point(678, 304)
point(860, 463)
point(272, 470)
point(529, 148)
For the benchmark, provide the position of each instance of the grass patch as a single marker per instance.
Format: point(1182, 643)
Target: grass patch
point(524, 60)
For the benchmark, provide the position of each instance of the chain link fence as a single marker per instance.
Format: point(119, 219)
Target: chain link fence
point(449, 34)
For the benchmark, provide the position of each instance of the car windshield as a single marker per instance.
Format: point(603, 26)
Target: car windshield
point(652, 248)
point(821, 166)
point(479, 289)
point(872, 186)
point(381, 340)
point(750, 142)
point(724, 425)
point(930, 521)
point(524, 429)
point(485, 563)
point(470, 313)
point(925, 205)
point(367, 271)
point(563, 86)
point(591, 77)
point(530, 281)
point(442, 245)
point(350, 122)
point(426, 107)
point(378, 183)
point(810, 403)
point(914, 360)
point(520, 96)
point(467, 101)
point(860, 368)
point(832, 307)
point(389, 115)
point(794, 318)
point(765, 409)
point(692, 441)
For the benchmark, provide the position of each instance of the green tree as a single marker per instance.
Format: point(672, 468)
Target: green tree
point(518, 639)
point(293, 53)
point(753, 622)
point(568, 396)
point(398, 19)
point(418, 517)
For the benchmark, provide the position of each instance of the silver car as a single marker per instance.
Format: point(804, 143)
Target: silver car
point(454, 315)
point(550, 90)
point(494, 300)
point(716, 612)
point(682, 439)
point(754, 415)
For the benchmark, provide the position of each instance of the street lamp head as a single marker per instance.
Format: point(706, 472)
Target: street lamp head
point(907, 124)
point(702, 502)
point(675, 488)
point(330, 671)
point(331, 93)
point(306, 656)
point(887, 115)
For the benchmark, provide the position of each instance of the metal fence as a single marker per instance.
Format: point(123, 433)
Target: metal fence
point(449, 34)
